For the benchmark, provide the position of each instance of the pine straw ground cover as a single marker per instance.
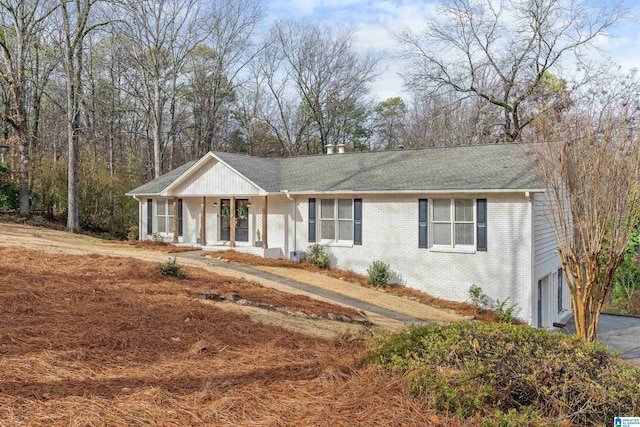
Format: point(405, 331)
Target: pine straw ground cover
point(100, 341)
point(463, 308)
point(155, 246)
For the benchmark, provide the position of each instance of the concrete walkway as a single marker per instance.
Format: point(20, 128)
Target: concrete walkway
point(334, 296)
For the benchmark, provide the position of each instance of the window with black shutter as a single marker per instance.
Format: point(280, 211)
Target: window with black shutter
point(481, 215)
point(149, 216)
point(357, 221)
point(423, 221)
point(312, 220)
point(180, 217)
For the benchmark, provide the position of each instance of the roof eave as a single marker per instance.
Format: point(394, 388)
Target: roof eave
point(417, 191)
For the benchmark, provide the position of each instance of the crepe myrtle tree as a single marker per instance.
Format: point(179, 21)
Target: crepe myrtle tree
point(589, 160)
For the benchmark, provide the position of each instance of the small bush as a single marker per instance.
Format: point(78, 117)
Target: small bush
point(378, 274)
point(9, 191)
point(317, 256)
point(157, 238)
point(171, 268)
point(132, 233)
point(494, 371)
point(505, 313)
point(478, 298)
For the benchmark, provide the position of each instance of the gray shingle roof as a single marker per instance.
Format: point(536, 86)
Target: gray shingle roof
point(486, 167)
point(481, 167)
point(159, 184)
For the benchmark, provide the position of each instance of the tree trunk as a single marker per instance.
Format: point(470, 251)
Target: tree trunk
point(23, 175)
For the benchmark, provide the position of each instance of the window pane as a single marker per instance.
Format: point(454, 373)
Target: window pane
point(345, 230)
point(441, 210)
point(464, 234)
point(327, 230)
point(345, 209)
point(170, 204)
point(162, 207)
point(162, 224)
point(442, 234)
point(464, 210)
point(170, 224)
point(326, 208)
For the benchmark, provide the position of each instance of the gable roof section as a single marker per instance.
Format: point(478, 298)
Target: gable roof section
point(503, 167)
point(157, 185)
point(266, 172)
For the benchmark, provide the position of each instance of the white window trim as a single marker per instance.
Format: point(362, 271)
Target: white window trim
point(166, 217)
point(452, 222)
point(334, 242)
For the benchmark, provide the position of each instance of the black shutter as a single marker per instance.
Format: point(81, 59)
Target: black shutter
point(481, 206)
point(560, 290)
point(423, 223)
point(312, 220)
point(180, 217)
point(149, 217)
point(357, 221)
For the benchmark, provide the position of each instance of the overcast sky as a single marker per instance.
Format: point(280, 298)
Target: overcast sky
point(376, 21)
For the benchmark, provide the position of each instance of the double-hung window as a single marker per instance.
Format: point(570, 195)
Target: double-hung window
point(164, 216)
point(336, 220)
point(453, 223)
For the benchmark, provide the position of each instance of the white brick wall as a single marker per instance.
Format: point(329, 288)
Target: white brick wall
point(390, 234)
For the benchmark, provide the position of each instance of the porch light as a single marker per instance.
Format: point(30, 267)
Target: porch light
point(215, 203)
point(249, 204)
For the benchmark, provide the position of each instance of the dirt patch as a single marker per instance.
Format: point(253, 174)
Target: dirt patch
point(462, 308)
point(373, 296)
point(102, 341)
point(155, 246)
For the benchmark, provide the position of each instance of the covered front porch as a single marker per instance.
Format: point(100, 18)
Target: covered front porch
point(225, 222)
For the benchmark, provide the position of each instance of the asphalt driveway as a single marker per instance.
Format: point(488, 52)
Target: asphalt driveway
point(620, 333)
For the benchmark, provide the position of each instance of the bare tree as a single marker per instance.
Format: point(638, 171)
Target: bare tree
point(590, 162)
point(20, 24)
point(161, 34)
point(330, 77)
point(75, 27)
point(503, 51)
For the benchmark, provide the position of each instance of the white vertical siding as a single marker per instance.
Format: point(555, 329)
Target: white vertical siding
point(214, 178)
point(545, 244)
point(546, 263)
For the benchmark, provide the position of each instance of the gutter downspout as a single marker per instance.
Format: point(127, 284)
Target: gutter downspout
point(139, 216)
point(293, 200)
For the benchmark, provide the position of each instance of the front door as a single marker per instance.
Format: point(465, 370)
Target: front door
point(242, 220)
point(225, 220)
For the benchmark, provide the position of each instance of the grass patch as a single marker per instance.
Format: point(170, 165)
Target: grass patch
point(511, 375)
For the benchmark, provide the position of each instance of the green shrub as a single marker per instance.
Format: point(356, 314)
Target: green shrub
point(626, 281)
point(378, 274)
point(9, 191)
point(316, 255)
point(171, 268)
point(505, 374)
point(157, 238)
point(478, 298)
point(504, 312)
